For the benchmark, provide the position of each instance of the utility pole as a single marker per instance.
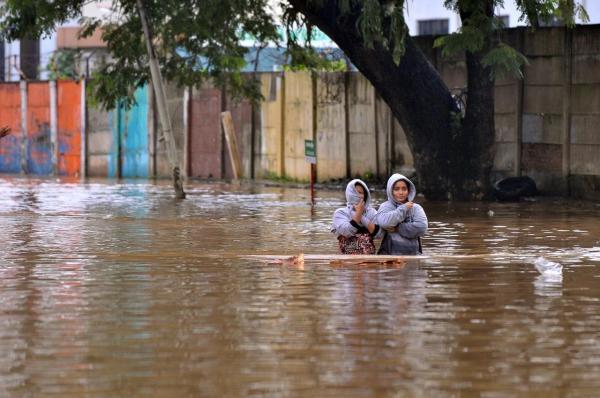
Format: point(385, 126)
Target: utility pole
point(161, 102)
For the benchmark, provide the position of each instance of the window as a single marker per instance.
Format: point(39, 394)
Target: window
point(433, 27)
point(502, 21)
point(553, 21)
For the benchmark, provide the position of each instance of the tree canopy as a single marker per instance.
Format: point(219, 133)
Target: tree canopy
point(202, 39)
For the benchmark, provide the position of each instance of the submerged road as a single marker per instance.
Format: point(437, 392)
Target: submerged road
point(117, 290)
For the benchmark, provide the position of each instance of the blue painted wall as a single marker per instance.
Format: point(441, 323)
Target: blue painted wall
point(129, 150)
point(10, 154)
point(39, 151)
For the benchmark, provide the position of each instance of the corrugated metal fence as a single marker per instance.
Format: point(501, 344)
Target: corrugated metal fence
point(54, 132)
point(45, 119)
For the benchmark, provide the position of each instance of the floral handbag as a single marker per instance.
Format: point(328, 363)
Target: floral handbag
point(357, 244)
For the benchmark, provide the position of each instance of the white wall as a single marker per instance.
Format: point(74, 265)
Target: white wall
point(418, 10)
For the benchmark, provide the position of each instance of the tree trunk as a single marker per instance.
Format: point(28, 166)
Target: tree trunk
point(452, 156)
point(478, 132)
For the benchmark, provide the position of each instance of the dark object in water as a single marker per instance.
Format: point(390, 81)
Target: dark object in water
point(514, 188)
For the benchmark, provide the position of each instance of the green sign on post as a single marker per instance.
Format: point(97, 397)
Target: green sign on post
point(310, 153)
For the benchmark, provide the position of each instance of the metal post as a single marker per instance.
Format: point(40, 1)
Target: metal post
point(23, 89)
point(54, 126)
point(186, 130)
point(313, 173)
point(84, 152)
point(161, 101)
point(566, 110)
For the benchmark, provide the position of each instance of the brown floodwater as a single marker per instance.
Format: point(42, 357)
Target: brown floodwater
point(117, 290)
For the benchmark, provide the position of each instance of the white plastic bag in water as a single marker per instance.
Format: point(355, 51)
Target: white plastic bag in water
point(547, 267)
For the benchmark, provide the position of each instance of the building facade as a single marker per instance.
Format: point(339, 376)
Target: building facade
point(430, 17)
point(30, 59)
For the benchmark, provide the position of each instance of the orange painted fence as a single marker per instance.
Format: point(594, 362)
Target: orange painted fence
point(48, 141)
point(39, 137)
point(10, 116)
point(69, 128)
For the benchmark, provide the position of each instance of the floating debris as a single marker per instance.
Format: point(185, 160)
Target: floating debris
point(548, 268)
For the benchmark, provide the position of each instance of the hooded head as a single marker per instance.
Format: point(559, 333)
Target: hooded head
point(352, 196)
point(412, 192)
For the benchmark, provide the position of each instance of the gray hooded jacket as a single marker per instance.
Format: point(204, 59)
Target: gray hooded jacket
point(342, 217)
point(411, 223)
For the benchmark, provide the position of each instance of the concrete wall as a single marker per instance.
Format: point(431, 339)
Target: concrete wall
point(584, 107)
point(354, 131)
point(546, 124)
point(542, 107)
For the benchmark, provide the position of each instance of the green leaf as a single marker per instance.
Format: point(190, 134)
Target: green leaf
point(468, 38)
point(504, 60)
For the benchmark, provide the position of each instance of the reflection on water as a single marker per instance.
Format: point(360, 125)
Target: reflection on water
point(117, 290)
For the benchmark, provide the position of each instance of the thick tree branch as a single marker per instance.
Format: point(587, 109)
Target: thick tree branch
point(414, 90)
point(531, 10)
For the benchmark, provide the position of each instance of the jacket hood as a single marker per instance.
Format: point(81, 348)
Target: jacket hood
point(412, 192)
point(352, 196)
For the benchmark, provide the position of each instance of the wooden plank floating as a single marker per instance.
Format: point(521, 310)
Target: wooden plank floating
point(373, 259)
point(335, 259)
point(325, 257)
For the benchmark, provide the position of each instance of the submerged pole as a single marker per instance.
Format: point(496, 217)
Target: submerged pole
point(161, 102)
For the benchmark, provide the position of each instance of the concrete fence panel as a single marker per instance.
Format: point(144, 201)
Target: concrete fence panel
point(586, 40)
point(543, 42)
point(385, 130)
point(69, 128)
point(298, 123)
point(402, 158)
point(331, 141)
point(584, 159)
point(504, 159)
point(585, 99)
point(546, 70)
point(270, 129)
point(543, 99)
point(99, 141)
point(206, 140)
point(39, 144)
point(454, 73)
point(505, 124)
point(361, 126)
point(241, 113)
point(175, 104)
point(586, 69)
point(505, 99)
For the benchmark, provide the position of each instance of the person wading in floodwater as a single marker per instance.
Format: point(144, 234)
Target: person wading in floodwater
point(354, 225)
point(403, 221)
